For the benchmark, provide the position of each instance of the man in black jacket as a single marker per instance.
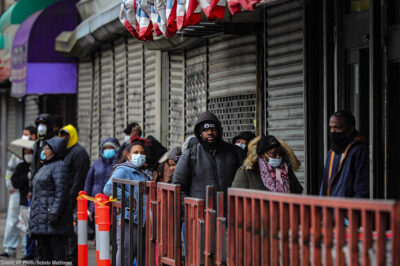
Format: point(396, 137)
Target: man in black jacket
point(212, 162)
point(77, 160)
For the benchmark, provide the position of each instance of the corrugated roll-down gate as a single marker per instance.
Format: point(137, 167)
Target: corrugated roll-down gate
point(196, 86)
point(85, 86)
point(135, 81)
point(176, 99)
point(120, 88)
point(31, 110)
point(285, 78)
point(12, 129)
point(150, 93)
point(96, 108)
point(232, 62)
point(107, 93)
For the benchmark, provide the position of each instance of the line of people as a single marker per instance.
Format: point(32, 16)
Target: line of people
point(60, 168)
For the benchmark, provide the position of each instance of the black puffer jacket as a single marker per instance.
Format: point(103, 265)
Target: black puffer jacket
point(212, 167)
point(51, 212)
point(20, 181)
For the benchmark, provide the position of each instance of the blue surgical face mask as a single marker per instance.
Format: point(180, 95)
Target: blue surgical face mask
point(241, 145)
point(138, 159)
point(42, 157)
point(127, 138)
point(274, 162)
point(109, 153)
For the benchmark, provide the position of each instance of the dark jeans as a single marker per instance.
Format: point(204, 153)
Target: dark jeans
point(51, 247)
point(126, 243)
point(30, 246)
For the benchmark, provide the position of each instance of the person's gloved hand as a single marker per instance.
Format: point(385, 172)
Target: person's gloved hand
point(53, 218)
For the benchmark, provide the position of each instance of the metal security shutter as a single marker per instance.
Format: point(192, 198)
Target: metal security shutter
point(196, 86)
point(96, 108)
point(232, 62)
point(107, 94)
point(85, 86)
point(31, 110)
point(285, 76)
point(120, 115)
point(176, 99)
point(150, 86)
point(135, 82)
point(12, 129)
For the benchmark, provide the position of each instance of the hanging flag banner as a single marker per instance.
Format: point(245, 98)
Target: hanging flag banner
point(144, 25)
point(171, 18)
point(155, 20)
point(180, 14)
point(143, 18)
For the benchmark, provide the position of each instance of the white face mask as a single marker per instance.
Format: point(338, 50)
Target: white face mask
point(28, 158)
point(127, 138)
point(42, 129)
point(25, 137)
point(241, 145)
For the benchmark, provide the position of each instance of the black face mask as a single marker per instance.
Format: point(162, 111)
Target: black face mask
point(339, 141)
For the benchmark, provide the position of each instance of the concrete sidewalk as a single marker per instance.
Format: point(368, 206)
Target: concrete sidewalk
point(16, 261)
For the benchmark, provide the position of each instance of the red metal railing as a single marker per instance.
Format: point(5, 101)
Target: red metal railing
point(151, 223)
point(194, 231)
point(168, 219)
point(272, 229)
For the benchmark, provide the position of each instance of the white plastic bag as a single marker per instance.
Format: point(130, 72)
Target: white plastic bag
point(23, 219)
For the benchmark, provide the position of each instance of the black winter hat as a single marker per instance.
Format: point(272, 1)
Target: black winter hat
point(246, 135)
point(266, 143)
point(210, 118)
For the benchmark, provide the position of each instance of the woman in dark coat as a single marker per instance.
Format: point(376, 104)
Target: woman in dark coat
point(100, 171)
point(269, 166)
point(51, 212)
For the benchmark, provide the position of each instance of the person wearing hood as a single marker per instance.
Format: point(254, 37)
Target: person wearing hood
point(269, 166)
point(77, 159)
point(51, 212)
point(11, 232)
point(243, 139)
point(211, 162)
point(101, 169)
point(132, 169)
point(44, 126)
point(346, 172)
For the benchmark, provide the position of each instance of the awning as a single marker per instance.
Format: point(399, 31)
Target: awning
point(87, 36)
point(9, 24)
point(36, 67)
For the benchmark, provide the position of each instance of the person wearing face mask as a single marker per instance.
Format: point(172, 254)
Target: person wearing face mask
point(11, 232)
point(269, 166)
point(346, 172)
point(101, 168)
point(132, 130)
point(44, 125)
point(20, 180)
point(50, 221)
point(243, 139)
point(132, 169)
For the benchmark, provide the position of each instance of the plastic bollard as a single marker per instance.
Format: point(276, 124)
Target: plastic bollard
point(82, 209)
point(104, 235)
point(102, 198)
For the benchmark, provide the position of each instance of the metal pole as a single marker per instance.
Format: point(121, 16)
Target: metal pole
point(375, 82)
point(3, 151)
